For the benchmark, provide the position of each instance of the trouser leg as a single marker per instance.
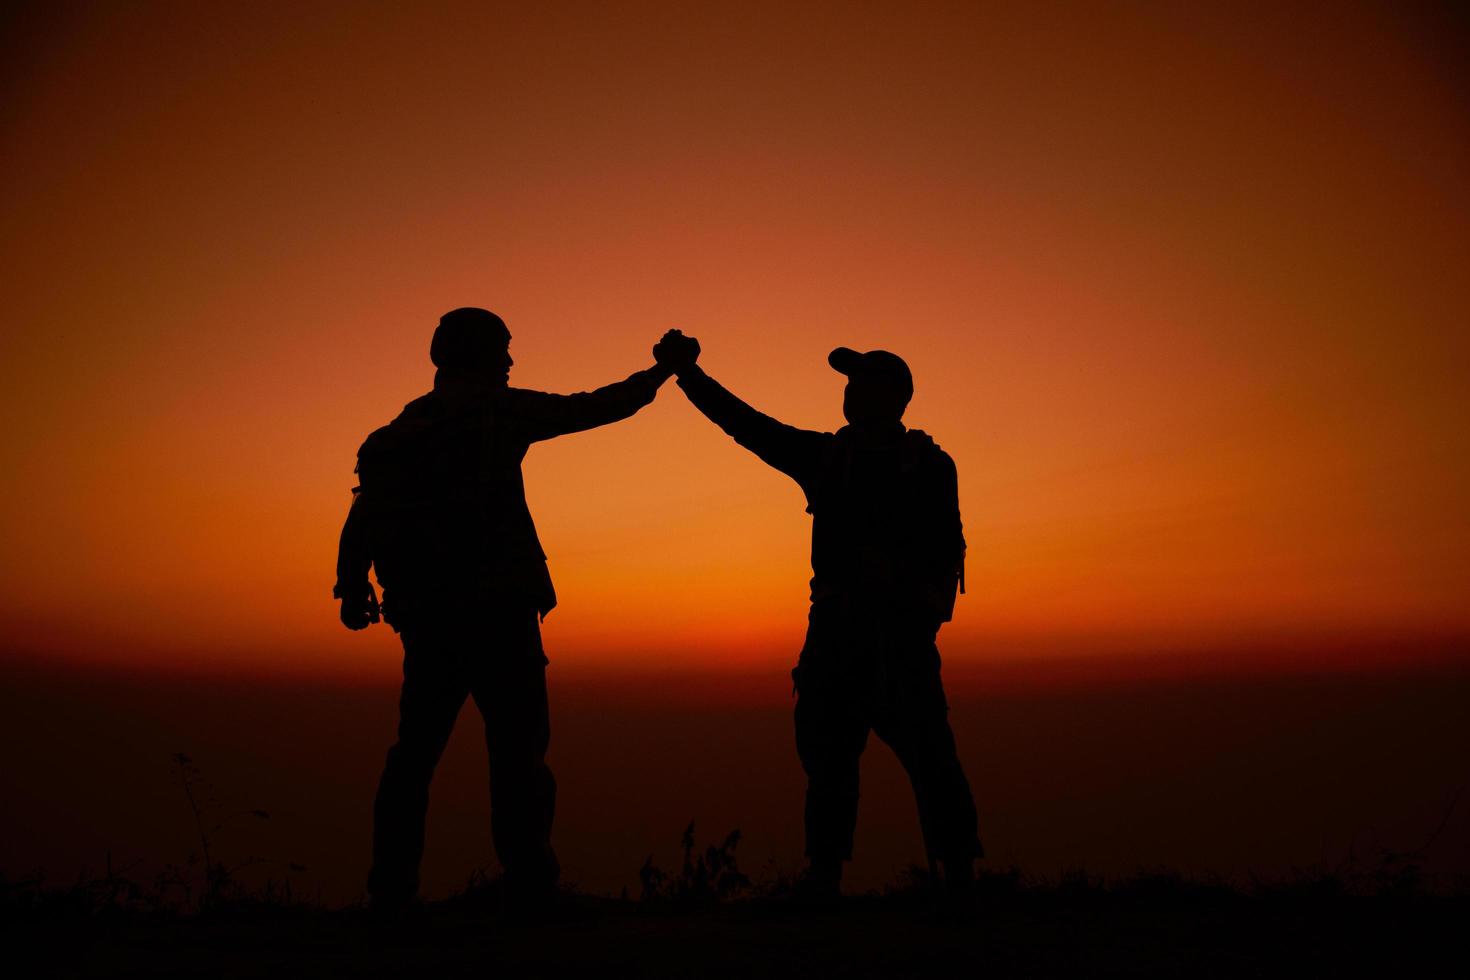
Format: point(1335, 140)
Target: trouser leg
point(917, 728)
point(511, 695)
point(432, 695)
point(831, 734)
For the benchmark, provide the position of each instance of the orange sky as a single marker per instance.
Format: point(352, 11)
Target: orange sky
point(1183, 293)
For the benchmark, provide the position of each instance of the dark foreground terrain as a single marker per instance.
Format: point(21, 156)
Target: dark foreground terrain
point(1360, 776)
point(1145, 926)
point(1208, 775)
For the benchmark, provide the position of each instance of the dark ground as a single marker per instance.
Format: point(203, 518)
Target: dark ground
point(1145, 926)
point(1360, 779)
point(1240, 777)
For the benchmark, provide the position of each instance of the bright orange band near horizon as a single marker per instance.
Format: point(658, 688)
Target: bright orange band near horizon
point(1183, 297)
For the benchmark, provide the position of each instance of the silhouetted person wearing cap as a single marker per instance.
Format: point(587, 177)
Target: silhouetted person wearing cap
point(887, 558)
point(441, 517)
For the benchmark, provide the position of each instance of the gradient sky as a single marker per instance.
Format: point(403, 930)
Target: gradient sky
point(1183, 291)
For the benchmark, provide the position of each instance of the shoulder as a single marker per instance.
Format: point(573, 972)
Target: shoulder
point(416, 418)
point(417, 414)
point(521, 403)
point(520, 396)
point(923, 451)
point(841, 438)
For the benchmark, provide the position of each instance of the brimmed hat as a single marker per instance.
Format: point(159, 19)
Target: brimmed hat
point(875, 365)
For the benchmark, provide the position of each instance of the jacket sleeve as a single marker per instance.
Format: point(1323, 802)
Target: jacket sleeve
point(353, 557)
point(546, 416)
point(941, 574)
point(796, 452)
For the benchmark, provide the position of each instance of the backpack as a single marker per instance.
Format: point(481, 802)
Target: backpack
point(399, 487)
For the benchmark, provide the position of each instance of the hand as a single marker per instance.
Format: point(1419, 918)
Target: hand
point(676, 351)
point(360, 610)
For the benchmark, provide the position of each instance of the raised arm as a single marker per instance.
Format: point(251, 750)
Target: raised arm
point(546, 416)
point(796, 452)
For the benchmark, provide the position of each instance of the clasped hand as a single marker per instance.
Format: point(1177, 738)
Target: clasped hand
point(676, 351)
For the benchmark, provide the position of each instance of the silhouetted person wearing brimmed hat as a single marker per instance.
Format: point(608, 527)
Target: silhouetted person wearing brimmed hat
point(441, 517)
point(887, 558)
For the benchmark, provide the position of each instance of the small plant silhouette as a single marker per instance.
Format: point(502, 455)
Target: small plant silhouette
point(708, 876)
point(220, 883)
point(1386, 869)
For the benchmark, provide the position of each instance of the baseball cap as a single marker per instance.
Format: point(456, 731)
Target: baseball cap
point(876, 365)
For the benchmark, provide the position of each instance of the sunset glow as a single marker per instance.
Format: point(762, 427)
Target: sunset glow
point(1183, 295)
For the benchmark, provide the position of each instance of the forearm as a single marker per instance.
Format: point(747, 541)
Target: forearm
point(621, 399)
point(353, 558)
point(553, 415)
point(795, 452)
point(735, 417)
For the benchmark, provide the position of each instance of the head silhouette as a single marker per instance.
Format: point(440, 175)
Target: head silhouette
point(472, 344)
point(879, 385)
